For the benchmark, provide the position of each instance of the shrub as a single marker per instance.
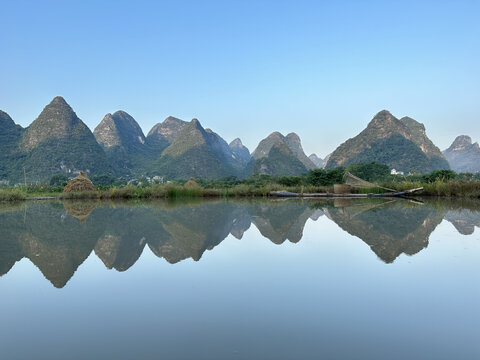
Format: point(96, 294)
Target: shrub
point(321, 177)
point(58, 180)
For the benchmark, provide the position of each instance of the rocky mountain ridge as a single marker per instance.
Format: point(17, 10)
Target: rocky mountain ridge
point(59, 142)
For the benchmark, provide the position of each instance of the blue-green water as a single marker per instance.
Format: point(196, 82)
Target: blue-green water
point(240, 280)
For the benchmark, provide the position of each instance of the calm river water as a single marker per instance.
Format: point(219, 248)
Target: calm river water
point(364, 279)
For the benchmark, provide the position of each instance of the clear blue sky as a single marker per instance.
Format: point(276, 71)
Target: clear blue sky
point(247, 68)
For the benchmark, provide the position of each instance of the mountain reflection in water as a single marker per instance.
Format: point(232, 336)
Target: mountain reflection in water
point(58, 237)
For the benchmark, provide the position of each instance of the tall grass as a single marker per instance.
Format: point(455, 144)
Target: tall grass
point(450, 188)
point(168, 191)
point(9, 194)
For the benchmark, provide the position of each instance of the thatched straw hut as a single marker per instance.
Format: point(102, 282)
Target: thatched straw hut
point(191, 184)
point(79, 184)
point(342, 189)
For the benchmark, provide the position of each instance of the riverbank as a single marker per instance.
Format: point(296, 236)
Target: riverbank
point(159, 191)
point(452, 188)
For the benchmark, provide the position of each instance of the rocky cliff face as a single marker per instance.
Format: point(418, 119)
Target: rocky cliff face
point(419, 136)
point(294, 143)
point(463, 155)
point(119, 129)
point(400, 144)
point(10, 159)
point(164, 133)
point(124, 143)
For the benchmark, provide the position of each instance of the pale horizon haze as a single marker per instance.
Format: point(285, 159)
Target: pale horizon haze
point(248, 68)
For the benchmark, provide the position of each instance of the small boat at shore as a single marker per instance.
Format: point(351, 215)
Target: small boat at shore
point(333, 195)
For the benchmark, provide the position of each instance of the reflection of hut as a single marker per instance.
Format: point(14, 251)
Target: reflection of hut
point(79, 184)
point(80, 209)
point(341, 202)
point(191, 184)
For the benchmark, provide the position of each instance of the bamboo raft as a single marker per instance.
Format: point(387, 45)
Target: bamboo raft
point(333, 195)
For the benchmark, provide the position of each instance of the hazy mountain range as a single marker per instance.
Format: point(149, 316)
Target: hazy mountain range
point(59, 142)
point(463, 156)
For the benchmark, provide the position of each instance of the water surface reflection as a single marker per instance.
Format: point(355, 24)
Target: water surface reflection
point(58, 237)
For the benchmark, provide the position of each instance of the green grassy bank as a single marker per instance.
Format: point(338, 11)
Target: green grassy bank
point(159, 191)
point(450, 188)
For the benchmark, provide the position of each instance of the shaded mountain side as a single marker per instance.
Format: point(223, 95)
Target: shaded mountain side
point(280, 160)
point(225, 153)
point(463, 155)
point(11, 160)
point(65, 156)
point(395, 151)
point(280, 155)
point(400, 144)
point(240, 152)
point(195, 162)
point(124, 162)
point(389, 228)
point(163, 134)
point(197, 152)
point(59, 142)
point(319, 162)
